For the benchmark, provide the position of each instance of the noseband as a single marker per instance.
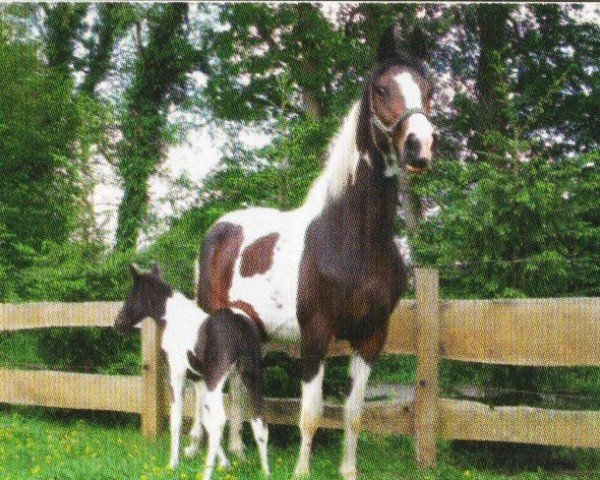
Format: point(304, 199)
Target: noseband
point(392, 158)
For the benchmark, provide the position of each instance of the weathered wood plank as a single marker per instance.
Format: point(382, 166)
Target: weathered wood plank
point(465, 420)
point(425, 428)
point(23, 316)
point(71, 390)
point(538, 332)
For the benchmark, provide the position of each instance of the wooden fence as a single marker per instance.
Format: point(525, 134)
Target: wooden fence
point(535, 332)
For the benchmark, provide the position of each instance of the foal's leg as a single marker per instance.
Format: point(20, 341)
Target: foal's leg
point(359, 374)
point(238, 400)
point(214, 420)
point(197, 432)
point(253, 381)
point(177, 380)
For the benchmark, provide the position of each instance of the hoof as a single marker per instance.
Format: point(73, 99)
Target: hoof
point(239, 452)
point(301, 472)
point(173, 464)
point(348, 474)
point(191, 451)
point(224, 463)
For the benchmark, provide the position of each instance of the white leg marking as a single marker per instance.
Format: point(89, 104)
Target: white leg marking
point(359, 372)
point(310, 415)
point(197, 431)
point(177, 378)
point(239, 396)
point(214, 420)
point(261, 437)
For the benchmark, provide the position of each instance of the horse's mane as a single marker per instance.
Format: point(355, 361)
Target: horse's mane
point(353, 140)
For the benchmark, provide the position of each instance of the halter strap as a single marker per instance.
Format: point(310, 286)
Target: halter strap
point(391, 160)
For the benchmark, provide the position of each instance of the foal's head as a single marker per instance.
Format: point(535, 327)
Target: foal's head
point(147, 298)
point(398, 101)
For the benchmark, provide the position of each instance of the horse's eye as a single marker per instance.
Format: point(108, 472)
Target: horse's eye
point(381, 91)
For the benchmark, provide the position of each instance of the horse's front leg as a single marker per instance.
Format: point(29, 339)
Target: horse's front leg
point(365, 353)
point(359, 374)
point(312, 358)
point(177, 381)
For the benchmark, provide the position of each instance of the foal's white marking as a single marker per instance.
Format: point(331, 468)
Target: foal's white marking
point(182, 323)
point(359, 372)
point(418, 124)
point(310, 415)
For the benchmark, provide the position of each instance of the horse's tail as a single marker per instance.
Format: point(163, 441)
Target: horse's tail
point(197, 278)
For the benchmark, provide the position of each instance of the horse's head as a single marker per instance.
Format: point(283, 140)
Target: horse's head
point(399, 97)
point(147, 298)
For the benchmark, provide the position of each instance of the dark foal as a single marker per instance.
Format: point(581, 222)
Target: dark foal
point(205, 348)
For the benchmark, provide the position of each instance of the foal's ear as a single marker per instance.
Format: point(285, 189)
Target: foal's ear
point(418, 43)
point(388, 44)
point(135, 271)
point(155, 270)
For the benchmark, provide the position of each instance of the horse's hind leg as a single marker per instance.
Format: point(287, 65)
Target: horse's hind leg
point(238, 399)
point(197, 432)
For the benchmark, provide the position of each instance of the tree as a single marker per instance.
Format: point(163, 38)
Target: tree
point(159, 80)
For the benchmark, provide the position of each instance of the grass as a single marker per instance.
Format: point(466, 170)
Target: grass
point(56, 445)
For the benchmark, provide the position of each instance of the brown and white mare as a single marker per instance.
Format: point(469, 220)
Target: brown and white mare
point(329, 269)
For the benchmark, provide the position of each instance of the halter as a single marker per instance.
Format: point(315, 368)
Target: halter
point(391, 159)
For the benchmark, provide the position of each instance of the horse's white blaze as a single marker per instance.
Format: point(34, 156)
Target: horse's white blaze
point(310, 414)
point(359, 372)
point(418, 124)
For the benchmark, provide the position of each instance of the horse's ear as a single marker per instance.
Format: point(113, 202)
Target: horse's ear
point(418, 43)
point(155, 270)
point(388, 44)
point(135, 271)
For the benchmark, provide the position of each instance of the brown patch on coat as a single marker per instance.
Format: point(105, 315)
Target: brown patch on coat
point(257, 257)
point(220, 249)
point(249, 310)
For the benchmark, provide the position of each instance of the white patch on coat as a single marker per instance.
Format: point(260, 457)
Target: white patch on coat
point(418, 124)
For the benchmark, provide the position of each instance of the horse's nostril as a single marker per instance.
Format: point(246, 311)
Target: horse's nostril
point(413, 146)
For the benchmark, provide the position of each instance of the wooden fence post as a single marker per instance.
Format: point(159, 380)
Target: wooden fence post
point(425, 427)
point(153, 409)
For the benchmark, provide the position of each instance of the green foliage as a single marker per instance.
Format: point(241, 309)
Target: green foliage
point(513, 232)
point(38, 124)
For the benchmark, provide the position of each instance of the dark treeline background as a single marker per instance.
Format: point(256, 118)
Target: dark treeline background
point(509, 209)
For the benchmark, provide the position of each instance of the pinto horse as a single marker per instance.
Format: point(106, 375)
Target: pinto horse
point(330, 269)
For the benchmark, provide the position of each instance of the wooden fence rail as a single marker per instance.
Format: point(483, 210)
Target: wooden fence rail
point(534, 332)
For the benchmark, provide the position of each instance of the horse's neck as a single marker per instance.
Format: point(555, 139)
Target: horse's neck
point(368, 206)
point(181, 310)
